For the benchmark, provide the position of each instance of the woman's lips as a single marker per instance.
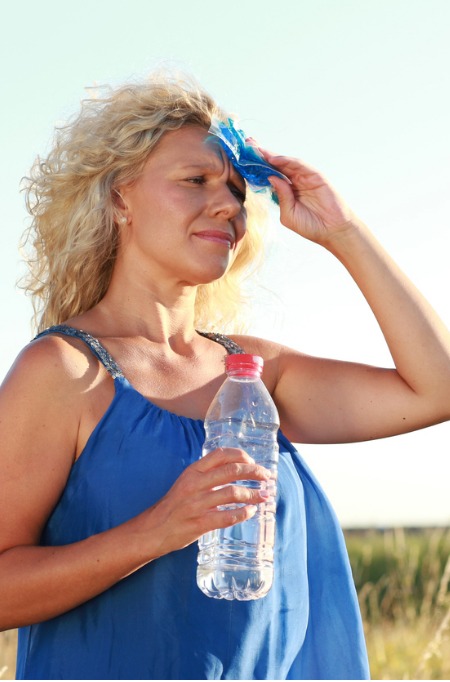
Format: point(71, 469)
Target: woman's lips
point(216, 236)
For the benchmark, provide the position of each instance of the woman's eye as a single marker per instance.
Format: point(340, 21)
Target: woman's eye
point(198, 180)
point(238, 193)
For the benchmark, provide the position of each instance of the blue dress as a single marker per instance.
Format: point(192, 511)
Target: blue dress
point(156, 623)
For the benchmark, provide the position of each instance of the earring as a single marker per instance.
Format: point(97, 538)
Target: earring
point(123, 219)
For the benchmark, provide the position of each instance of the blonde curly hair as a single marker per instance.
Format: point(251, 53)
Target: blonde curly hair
point(70, 196)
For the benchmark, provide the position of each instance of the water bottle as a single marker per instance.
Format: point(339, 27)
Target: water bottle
point(237, 562)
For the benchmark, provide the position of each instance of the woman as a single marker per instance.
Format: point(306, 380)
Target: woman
point(141, 234)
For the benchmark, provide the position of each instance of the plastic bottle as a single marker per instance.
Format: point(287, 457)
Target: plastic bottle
point(237, 562)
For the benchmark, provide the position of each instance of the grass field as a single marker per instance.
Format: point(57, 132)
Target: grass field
point(402, 577)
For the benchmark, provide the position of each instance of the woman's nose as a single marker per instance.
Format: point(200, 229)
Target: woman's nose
point(226, 202)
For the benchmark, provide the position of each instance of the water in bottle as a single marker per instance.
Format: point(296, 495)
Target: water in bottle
point(237, 562)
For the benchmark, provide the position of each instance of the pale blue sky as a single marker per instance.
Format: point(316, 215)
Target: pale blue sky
point(359, 88)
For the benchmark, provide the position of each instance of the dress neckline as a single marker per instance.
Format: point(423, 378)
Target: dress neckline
point(106, 358)
point(116, 373)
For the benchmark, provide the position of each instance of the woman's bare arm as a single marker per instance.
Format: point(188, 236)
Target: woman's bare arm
point(324, 401)
point(40, 407)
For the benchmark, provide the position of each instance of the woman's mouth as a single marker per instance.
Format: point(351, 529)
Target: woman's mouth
point(217, 236)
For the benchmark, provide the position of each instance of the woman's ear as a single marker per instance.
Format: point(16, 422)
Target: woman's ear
point(120, 208)
point(118, 200)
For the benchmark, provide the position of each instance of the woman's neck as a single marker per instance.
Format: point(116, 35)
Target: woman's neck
point(160, 312)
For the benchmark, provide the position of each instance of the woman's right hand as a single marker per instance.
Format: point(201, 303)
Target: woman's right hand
point(192, 506)
point(40, 406)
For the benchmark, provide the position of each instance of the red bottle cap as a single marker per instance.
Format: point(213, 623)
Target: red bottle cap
point(244, 365)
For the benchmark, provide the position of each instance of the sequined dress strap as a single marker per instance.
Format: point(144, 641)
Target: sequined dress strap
point(230, 346)
point(105, 358)
point(94, 344)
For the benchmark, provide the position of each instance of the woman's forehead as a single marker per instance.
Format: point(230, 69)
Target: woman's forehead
point(192, 146)
point(185, 142)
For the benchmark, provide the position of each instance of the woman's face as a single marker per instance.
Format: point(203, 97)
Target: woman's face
point(186, 210)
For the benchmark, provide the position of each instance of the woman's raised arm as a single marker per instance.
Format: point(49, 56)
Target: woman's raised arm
point(328, 401)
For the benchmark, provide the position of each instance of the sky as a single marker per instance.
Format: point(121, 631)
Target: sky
point(357, 88)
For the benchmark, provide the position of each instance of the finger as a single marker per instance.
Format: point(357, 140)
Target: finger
point(252, 142)
point(237, 494)
point(221, 456)
point(284, 193)
point(274, 159)
point(289, 164)
point(229, 517)
point(232, 472)
point(262, 150)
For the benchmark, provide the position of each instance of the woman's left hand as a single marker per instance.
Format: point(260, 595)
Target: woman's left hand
point(326, 401)
point(309, 205)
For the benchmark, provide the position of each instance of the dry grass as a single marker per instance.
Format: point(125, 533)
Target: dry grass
point(8, 644)
point(402, 578)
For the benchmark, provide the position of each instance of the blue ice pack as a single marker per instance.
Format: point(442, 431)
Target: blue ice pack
point(245, 158)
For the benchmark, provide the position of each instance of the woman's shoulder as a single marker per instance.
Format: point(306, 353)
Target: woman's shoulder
point(52, 363)
point(277, 357)
point(270, 351)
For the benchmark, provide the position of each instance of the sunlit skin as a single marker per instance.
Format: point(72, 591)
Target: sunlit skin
point(184, 222)
point(186, 211)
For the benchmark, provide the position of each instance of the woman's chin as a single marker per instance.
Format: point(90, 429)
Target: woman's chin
point(211, 272)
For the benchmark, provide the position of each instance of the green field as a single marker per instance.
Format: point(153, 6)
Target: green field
point(402, 577)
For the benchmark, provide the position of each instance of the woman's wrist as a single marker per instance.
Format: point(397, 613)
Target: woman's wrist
point(349, 240)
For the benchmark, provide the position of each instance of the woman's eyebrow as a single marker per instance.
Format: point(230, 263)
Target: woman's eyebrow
point(206, 167)
point(210, 166)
